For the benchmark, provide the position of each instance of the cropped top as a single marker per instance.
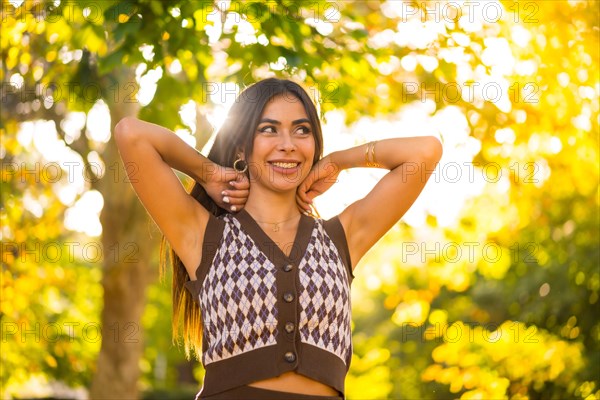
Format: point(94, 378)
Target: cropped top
point(264, 313)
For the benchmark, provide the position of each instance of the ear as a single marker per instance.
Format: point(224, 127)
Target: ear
point(240, 153)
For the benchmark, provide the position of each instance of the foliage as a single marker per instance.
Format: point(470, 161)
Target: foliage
point(541, 214)
point(508, 361)
point(50, 294)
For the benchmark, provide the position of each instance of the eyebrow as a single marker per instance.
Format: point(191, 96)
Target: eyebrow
point(275, 122)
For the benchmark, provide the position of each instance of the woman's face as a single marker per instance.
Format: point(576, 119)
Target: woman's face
point(284, 145)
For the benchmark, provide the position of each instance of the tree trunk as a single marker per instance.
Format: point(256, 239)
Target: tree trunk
point(127, 272)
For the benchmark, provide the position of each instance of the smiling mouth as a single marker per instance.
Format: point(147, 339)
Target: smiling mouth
point(285, 165)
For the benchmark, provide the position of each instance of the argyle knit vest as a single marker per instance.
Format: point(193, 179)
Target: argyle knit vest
point(265, 313)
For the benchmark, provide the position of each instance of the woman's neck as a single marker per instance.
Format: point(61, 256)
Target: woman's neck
point(272, 207)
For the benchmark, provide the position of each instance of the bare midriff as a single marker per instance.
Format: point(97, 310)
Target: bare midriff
point(295, 383)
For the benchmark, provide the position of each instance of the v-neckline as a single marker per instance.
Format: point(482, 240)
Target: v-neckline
point(271, 250)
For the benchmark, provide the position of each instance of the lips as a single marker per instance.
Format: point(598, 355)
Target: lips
point(282, 164)
point(285, 167)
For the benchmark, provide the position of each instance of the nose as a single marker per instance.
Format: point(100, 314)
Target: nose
point(286, 143)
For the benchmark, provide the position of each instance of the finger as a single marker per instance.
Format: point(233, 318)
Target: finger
point(232, 201)
point(303, 210)
point(302, 203)
point(302, 207)
point(230, 194)
point(230, 207)
point(237, 196)
point(307, 182)
point(306, 185)
point(241, 185)
point(303, 196)
point(240, 194)
point(243, 178)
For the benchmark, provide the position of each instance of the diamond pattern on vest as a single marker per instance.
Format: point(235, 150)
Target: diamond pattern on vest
point(238, 297)
point(325, 297)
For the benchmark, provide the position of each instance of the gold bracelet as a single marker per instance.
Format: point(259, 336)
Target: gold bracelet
point(377, 165)
point(374, 159)
point(372, 162)
point(367, 155)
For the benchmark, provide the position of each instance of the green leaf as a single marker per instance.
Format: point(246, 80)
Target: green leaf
point(131, 27)
point(111, 61)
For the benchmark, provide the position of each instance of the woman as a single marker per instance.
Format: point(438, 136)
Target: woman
point(267, 284)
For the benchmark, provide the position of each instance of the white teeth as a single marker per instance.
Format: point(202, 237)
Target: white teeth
point(285, 165)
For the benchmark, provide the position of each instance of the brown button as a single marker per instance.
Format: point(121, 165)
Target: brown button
point(289, 327)
point(288, 297)
point(288, 267)
point(290, 357)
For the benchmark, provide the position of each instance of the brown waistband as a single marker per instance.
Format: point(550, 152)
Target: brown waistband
point(253, 393)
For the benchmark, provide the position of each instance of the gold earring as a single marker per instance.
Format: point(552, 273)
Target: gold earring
point(237, 160)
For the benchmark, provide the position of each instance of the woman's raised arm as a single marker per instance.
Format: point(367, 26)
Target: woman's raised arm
point(411, 162)
point(149, 152)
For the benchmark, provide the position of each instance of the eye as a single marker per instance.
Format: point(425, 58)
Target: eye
point(267, 129)
point(305, 130)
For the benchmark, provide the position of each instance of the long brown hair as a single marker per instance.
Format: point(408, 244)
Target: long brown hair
point(237, 133)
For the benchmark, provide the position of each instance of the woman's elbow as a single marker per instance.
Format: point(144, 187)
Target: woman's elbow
point(125, 128)
point(433, 149)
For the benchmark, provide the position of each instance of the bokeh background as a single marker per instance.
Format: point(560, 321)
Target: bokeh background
point(487, 288)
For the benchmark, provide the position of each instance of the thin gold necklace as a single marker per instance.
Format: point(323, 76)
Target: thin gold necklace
point(276, 224)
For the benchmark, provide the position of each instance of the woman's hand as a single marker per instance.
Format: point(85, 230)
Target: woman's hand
point(320, 178)
point(228, 188)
